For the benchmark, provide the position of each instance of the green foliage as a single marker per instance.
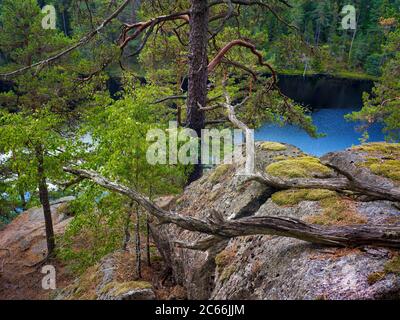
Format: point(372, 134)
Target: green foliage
point(37, 115)
point(319, 24)
point(373, 64)
point(21, 134)
point(96, 230)
point(117, 149)
point(383, 104)
point(51, 109)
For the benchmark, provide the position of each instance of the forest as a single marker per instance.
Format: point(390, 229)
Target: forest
point(88, 88)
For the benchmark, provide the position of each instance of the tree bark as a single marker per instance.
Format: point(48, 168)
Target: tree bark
point(198, 74)
point(127, 233)
point(148, 253)
point(44, 200)
point(138, 245)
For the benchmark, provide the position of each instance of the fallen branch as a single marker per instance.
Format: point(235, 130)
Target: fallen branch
point(221, 229)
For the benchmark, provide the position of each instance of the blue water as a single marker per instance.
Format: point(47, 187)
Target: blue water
point(340, 134)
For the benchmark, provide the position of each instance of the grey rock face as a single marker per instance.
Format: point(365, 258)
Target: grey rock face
point(101, 283)
point(282, 268)
point(265, 267)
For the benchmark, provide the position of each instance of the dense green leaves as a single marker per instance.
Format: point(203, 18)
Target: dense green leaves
point(383, 105)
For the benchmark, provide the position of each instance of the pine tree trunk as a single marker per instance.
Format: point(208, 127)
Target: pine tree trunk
point(148, 254)
point(138, 249)
point(198, 74)
point(44, 200)
point(127, 233)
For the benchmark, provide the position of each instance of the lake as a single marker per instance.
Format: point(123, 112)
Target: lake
point(330, 99)
point(340, 134)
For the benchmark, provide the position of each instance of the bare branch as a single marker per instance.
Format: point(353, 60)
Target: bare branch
point(141, 26)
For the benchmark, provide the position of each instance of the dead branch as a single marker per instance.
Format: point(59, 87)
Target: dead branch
point(141, 26)
point(221, 229)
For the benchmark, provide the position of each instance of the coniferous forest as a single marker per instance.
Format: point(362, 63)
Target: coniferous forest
point(199, 150)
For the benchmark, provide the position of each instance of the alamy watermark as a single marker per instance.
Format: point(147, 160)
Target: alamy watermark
point(349, 21)
point(214, 147)
point(50, 18)
point(49, 280)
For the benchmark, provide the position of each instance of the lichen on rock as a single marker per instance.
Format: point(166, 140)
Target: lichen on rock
point(335, 210)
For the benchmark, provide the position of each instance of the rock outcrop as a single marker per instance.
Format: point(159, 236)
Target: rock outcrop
point(266, 267)
point(102, 282)
point(23, 244)
point(26, 232)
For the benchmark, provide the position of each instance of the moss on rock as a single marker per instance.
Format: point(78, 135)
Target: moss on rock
point(376, 277)
point(63, 208)
point(393, 265)
point(227, 273)
point(224, 261)
point(116, 289)
point(337, 211)
point(382, 148)
point(293, 197)
point(301, 167)
point(383, 159)
point(85, 287)
point(219, 172)
point(225, 257)
point(389, 169)
point(273, 146)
